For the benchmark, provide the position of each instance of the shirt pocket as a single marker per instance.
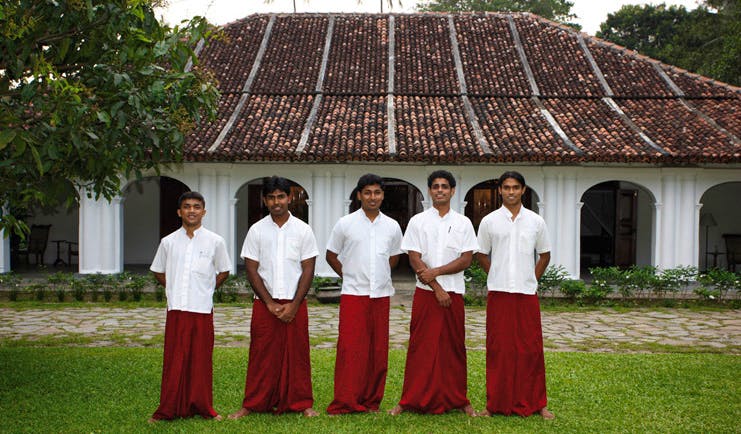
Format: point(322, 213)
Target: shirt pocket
point(204, 264)
point(293, 248)
point(526, 242)
point(454, 241)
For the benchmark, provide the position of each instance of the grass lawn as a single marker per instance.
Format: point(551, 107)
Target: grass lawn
point(63, 389)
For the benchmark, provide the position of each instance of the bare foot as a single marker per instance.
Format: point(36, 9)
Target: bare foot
point(484, 412)
point(396, 411)
point(310, 412)
point(152, 420)
point(469, 411)
point(242, 412)
point(218, 417)
point(546, 414)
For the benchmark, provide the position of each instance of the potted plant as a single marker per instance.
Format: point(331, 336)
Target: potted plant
point(327, 289)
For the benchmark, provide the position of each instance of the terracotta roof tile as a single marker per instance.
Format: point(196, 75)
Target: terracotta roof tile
point(726, 112)
point(559, 64)
point(200, 140)
point(627, 74)
point(434, 129)
point(516, 131)
point(231, 57)
point(293, 57)
point(269, 128)
point(600, 132)
point(349, 128)
point(358, 57)
point(490, 61)
point(430, 115)
point(424, 61)
point(675, 128)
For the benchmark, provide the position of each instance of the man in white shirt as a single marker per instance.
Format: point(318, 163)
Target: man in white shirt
point(190, 263)
point(279, 252)
point(509, 238)
point(440, 243)
point(363, 249)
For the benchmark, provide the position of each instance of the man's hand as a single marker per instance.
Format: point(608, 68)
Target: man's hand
point(276, 309)
point(288, 313)
point(427, 275)
point(443, 298)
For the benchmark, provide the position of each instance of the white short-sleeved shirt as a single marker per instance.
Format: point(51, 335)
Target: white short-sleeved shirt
point(512, 246)
point(364, 247)
point(279, 251)
point(190, 266)
point(441, 240)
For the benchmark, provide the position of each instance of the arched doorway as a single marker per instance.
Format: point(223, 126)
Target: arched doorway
point(250, 208)
point(483, 198)
point(149, 214)
point(401, 200)
point(54, 235)
point(616, 225)
point(719, 225)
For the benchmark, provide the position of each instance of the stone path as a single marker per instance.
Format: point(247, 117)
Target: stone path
point(639, 330)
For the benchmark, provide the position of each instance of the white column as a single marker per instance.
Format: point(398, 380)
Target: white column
point(669, 222)
point(658, 234)
point(565, 254)
point(322, 216)
point(577, 241)
point(688, 222)
point(101, 235)
point(233, 245)
point(4, 252)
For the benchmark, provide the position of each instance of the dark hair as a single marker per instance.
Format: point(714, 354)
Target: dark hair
point(191, 195)
point(517, 176)
point(273, 183)
point(368, 179)
point(441, 174)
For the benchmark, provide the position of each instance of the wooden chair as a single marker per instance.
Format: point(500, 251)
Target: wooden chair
point(733, 250)
point(36, 243)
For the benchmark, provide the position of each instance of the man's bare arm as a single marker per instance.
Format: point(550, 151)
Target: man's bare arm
point(304, 283)
point(258, 286)
point(333, 262)
point(415, 259)
point(542, 264)
point(221, 278)
point(160, 278)
point(484, 261)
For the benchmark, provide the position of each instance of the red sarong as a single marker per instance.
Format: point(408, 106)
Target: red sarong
point(515, 367)
point(279, 368)
point(362, 354)
point(435, 376)
point(187, 368)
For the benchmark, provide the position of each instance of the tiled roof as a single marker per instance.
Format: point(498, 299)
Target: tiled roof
point(439, 88)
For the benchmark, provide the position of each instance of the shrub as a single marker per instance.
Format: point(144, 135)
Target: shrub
point(636, 280)
point(229, 290)
point(672, 279)
point(476, 290)
point(13, 294)
point(552, 279)
point(573, 289)
point(10, 280)
point(38, 290)
point(79, 289)
point(61, 294)
point(716, 284)
point(136, 286)
point(60, 278)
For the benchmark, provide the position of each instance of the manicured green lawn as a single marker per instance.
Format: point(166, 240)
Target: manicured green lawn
point(65, 389)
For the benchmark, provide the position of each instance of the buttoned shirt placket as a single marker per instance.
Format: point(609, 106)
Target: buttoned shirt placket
point(278, 268)
point(185, 275)
point(443, 232)
point(512, 262)
point(372, 230)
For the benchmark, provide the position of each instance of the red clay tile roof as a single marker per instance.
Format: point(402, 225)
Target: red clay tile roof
point(439, 88)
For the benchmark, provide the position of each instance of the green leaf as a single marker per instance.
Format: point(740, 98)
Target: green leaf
point(103, 117)
point(6, 136)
